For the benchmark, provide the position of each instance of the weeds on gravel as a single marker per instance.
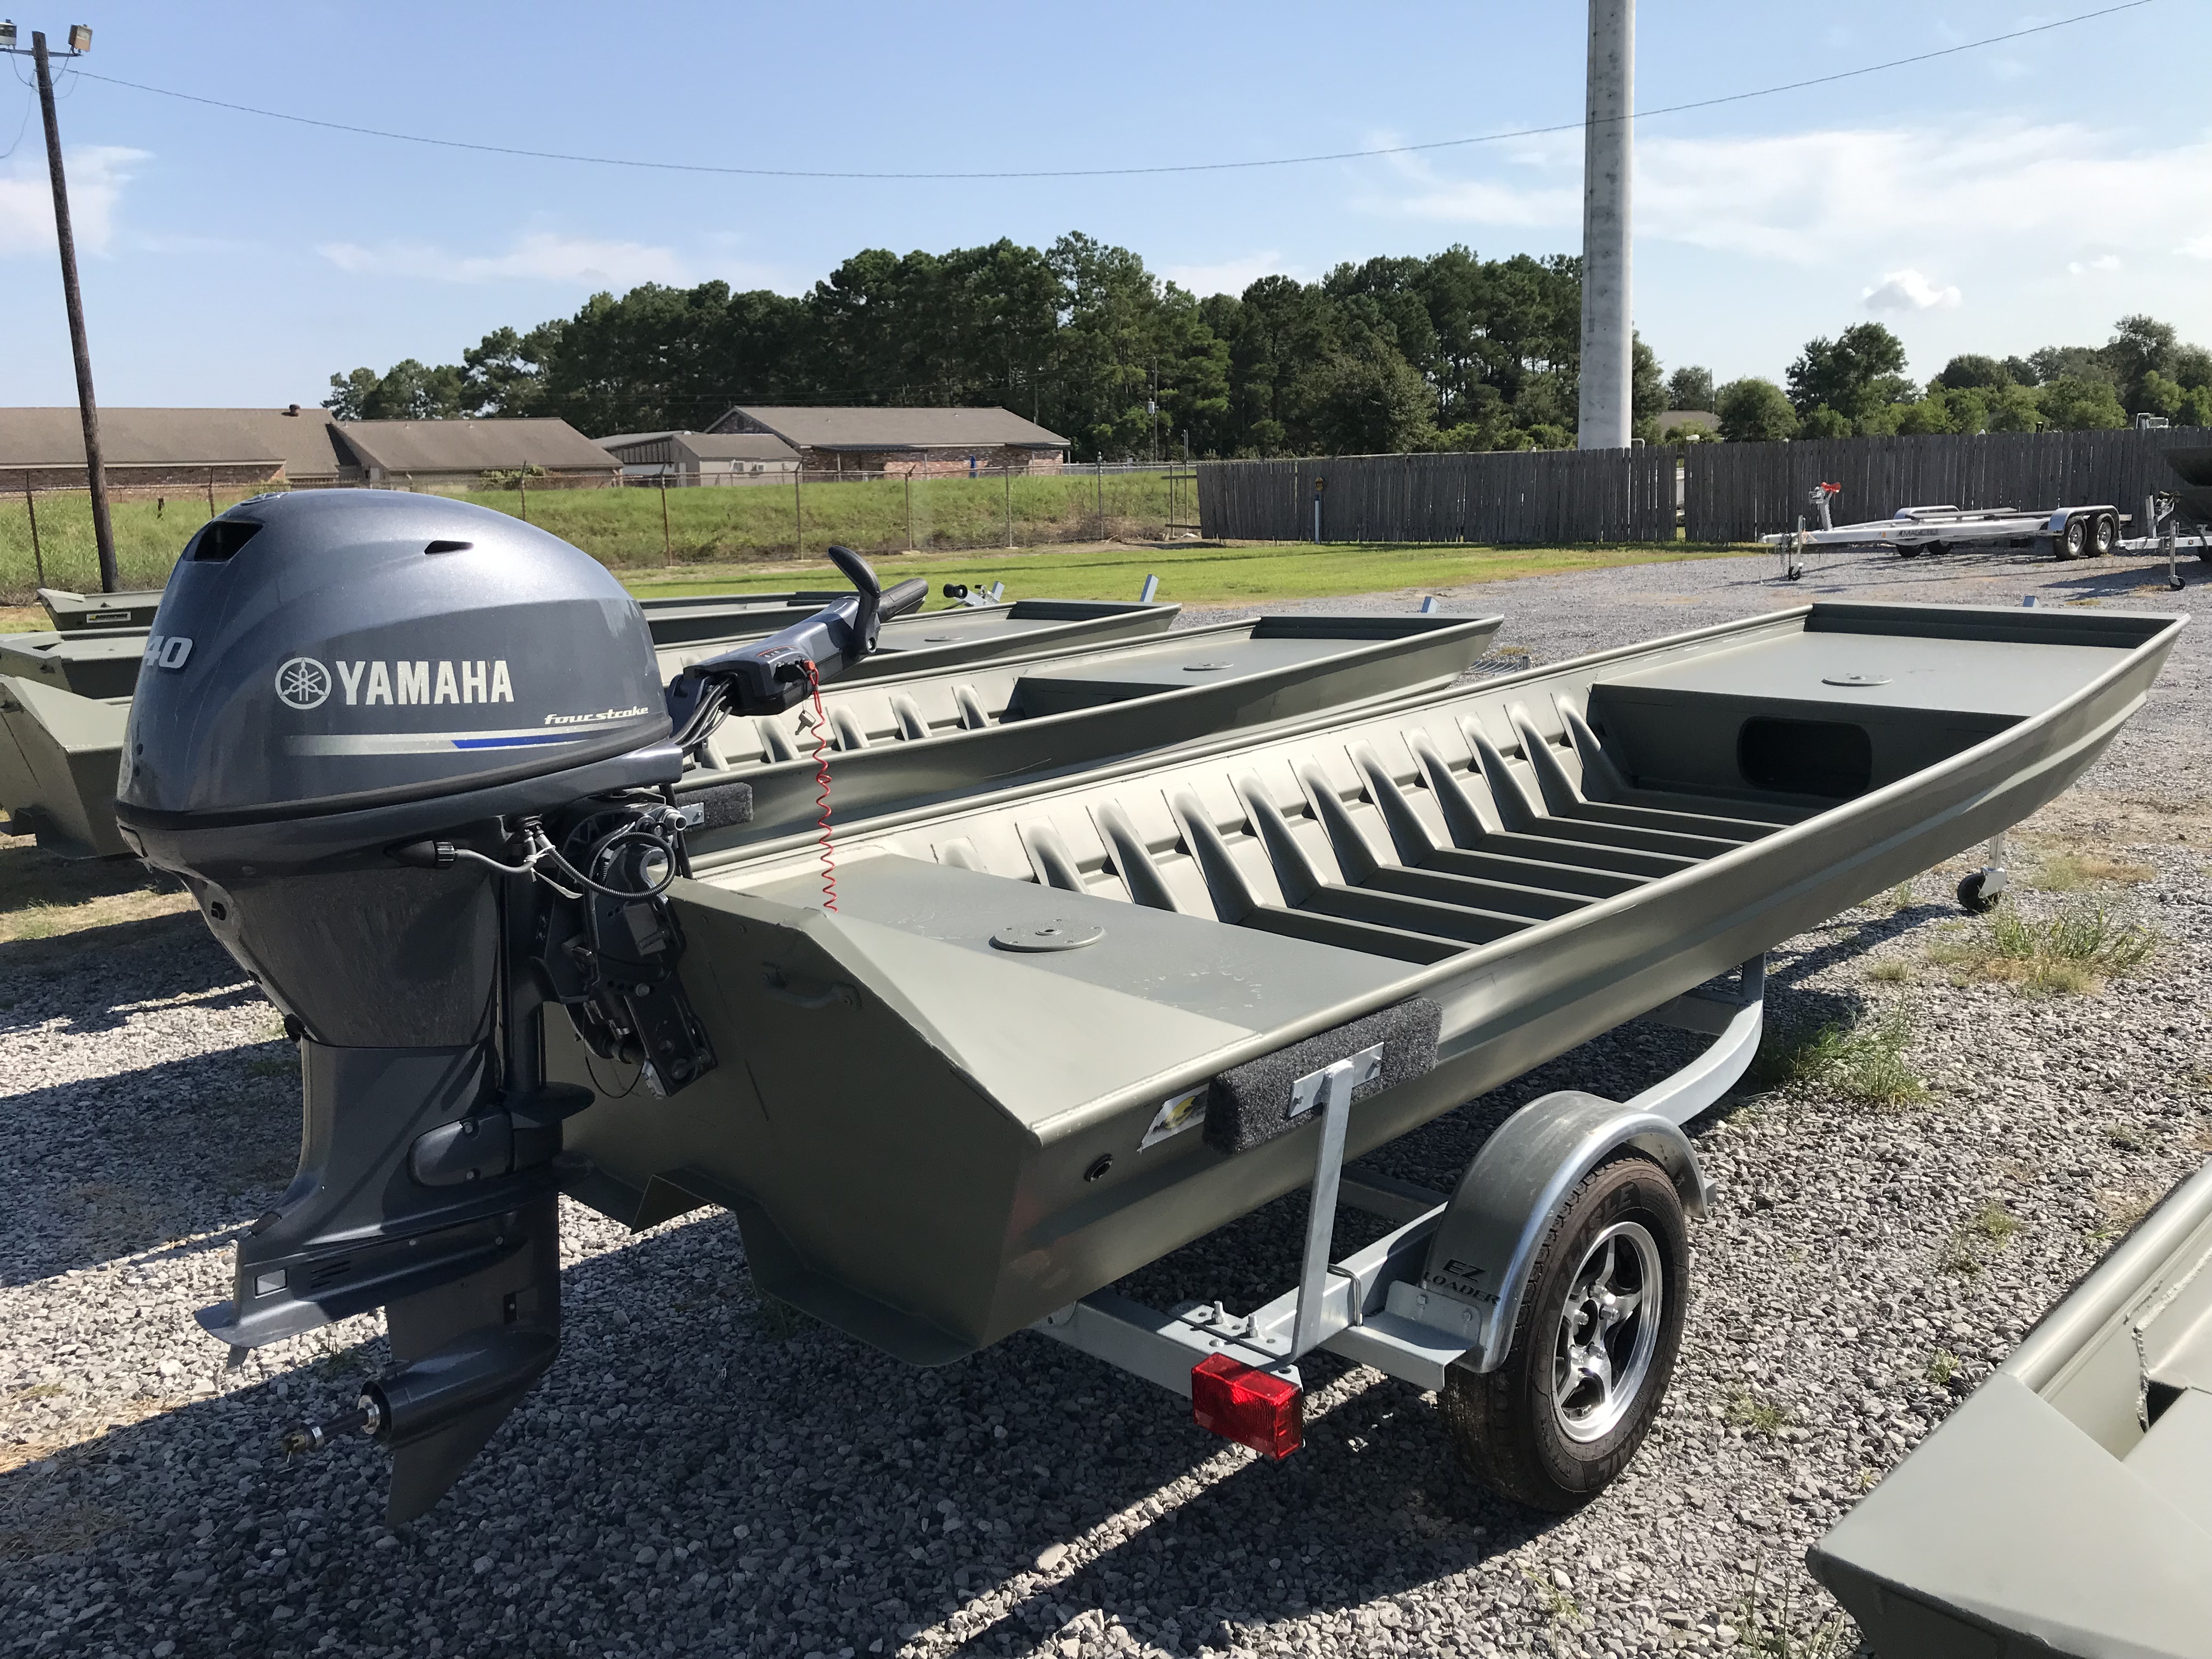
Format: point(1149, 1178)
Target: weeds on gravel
point(2072, 954)
point(1865, 1062)
point(1756, 1416)
point(1890, 971)
point(1990, 1229)
point(2126, 1139)
point(1761, 1631)
point(2122, 1212)
point(1943, 1367)
point(1904, 895)
point(1561, 1606)
point(2068, 873)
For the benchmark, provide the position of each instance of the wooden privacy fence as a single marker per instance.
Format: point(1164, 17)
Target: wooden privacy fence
point(1733, 492)
point(1729, 492)
point(1530, 495)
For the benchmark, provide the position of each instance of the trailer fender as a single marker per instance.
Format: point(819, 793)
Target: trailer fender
point(1478, 1262)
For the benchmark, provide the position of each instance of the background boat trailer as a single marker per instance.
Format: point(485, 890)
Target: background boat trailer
point(2070, 532)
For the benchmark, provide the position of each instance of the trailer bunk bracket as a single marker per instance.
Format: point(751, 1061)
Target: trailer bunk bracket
point(1444, 1288)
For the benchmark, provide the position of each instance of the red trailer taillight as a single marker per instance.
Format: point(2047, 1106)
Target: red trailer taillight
point(1251, 1407)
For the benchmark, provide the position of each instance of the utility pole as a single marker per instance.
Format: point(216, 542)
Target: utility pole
point(95, 465)
point(1608, 404)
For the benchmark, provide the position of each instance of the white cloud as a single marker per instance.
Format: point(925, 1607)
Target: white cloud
point(2103, 262)
point(1907, 291)
point(97, 174)
point(1809, 198)
point(1229, 275)
point(538, 255)
point(2198, 247)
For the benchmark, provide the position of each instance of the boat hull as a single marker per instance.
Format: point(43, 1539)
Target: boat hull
point(932, 1141)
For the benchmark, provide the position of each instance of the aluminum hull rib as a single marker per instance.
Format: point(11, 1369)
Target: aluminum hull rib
point(907, 1138)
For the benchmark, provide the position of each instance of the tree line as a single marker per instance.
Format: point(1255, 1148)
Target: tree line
point(1856, 385)
point(1446, 352)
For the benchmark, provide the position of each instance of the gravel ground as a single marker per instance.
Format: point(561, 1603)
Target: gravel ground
point(699, 1475)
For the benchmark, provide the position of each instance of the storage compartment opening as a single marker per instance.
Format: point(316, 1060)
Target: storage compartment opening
point(1832, 759)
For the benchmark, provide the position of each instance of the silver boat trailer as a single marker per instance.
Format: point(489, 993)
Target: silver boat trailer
point(2069, 532)
point(1444, 1288)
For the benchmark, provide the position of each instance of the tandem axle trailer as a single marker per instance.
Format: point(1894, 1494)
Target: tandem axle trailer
point(2087, 531)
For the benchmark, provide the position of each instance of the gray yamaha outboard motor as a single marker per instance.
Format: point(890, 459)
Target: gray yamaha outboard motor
point(412, 757)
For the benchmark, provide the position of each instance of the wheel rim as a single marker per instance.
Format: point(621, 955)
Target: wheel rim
point(2076, 535)
point(1608, 1332)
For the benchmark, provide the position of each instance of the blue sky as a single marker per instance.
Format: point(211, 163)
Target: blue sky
point(2018, 196)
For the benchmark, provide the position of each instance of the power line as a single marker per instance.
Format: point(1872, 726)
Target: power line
point(1116, 173)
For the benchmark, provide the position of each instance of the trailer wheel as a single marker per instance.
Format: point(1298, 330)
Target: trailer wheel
point(2070, 542)
point(1592, 1349)
point(1907, 550)
point(1935, 547)
point(2103, 534)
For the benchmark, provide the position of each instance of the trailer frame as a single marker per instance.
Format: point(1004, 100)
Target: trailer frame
point(1381, 1305)
point(2089, 530)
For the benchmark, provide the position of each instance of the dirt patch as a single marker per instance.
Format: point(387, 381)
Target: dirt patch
point(2086, 819)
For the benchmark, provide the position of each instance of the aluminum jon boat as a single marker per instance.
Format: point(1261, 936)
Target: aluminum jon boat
point(1042, 1034)
point(2066, 1507)
point(1035, 1046)
point(73, 613)
point(66, 698)
point(911, 738)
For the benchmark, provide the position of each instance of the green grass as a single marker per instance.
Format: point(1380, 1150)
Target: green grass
point(740, 538)
point(2071, 954)
point(1265, 573)
point(1988, 1230)
point(2066, 872)
point(1756, 1416)
point(1862, 1062)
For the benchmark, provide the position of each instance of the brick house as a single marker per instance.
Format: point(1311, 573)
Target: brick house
point(177, 450)
point(922, 442)
point(459, 452)
point(173, 449)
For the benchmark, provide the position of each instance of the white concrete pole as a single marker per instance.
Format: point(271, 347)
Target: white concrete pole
point(1607, 409)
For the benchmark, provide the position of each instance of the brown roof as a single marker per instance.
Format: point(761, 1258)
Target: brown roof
point(174, 437)
point(892, 429)
point(430, 446)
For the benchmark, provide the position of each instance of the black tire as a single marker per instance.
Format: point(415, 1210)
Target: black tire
point(1508, 1428)
point(1972, 899)
point(1906, 550)
point(2070, 543)
point(2104, 535)
point(1935, 547)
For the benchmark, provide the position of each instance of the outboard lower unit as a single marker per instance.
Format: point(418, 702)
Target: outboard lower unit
point(413, 759)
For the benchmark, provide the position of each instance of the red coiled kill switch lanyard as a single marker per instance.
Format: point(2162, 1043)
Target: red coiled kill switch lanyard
point(822, 790)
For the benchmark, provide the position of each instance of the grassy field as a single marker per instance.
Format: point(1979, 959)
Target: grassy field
point(744, 535)
point(623, 527)
point(1254, 573)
